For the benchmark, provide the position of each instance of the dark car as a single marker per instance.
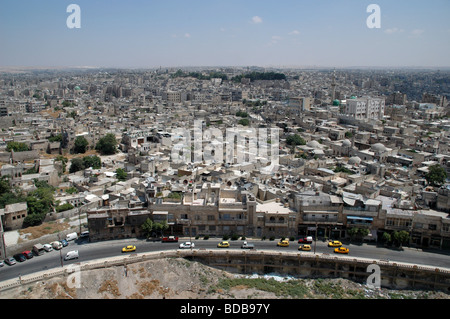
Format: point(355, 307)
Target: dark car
point(20, 257)
point(28, 254)
point(10, 261)
point(64, 242)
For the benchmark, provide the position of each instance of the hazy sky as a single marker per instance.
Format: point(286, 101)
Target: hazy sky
point(330, 33)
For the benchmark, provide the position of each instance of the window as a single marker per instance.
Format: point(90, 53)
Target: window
point(432, 227)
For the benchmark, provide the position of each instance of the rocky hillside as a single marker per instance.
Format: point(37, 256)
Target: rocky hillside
point(177, 278)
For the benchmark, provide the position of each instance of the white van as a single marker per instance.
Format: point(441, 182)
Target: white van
point(56, 245)
point(71, 236)
point(71, 255)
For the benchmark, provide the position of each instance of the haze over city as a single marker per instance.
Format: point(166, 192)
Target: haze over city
point(146, 34)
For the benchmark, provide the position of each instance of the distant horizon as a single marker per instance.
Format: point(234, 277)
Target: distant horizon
point(281, 67)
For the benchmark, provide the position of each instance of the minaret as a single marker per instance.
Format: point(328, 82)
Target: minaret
point(333, 86)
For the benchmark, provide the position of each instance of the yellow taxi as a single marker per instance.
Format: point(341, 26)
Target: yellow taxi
point(283, 243)
point(223, 244)
point(341, 250)
point(128, 249)
point(334, 243)
point(304, 247)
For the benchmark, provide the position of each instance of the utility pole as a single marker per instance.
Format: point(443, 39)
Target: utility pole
point(315, 241)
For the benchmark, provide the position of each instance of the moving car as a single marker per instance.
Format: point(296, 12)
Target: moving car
point(283, 243)
point(128, 248)
point(334, 243)
point(71, 255)
point(246, 245)
point(10, 261)
point(48, 247)
point(20, 257)
point(187, 244)
point(341, 250)
point(306, 240)
point(28, 254)
point(223, 244)
point(305, 247)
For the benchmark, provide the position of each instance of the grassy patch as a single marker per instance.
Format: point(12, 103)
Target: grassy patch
point(291, 288)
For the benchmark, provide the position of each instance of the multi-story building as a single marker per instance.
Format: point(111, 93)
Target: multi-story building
point(365, 108)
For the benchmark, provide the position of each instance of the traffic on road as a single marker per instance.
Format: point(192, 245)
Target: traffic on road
point(79, 249)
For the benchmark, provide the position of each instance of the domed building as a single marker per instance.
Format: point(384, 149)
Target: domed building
point(314, 144)
point(378, 148)
point(354, 160)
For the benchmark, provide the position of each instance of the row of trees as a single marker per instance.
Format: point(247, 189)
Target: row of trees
point(397, 238)
point(105, 146)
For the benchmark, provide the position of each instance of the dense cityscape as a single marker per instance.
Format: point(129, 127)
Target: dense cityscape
point(355, 153)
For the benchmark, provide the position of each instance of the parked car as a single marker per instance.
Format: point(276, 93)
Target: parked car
point(187, 244)
point(283, 243)
point(28, 254)
point(1, 263)
point(38, 250)
point(84, 234)
point(48, 247)
point(341, 250)
point(334, 243)
point(223, 244)
point(57, 245)
point(71, 255)
point(20, 257)
point(304, 248)
point(64, 242)
point(71, 236)
point(128, 249)
point(10, 261)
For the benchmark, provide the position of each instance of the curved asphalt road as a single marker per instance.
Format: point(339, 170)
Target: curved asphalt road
point(91, 251)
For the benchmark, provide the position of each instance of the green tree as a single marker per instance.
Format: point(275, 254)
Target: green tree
point(80, 145)
point(147, 227)
point(107, 144)
point(76, 165)
point(92, 161)
point(244, 122)
point(161, 227)
point(295, 140)
point(121, 174)
point(436, 175)
point(16, 147)
point(386, 238)
point(401, 237)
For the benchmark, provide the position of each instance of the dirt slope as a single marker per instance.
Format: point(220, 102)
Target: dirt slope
point(177, 278)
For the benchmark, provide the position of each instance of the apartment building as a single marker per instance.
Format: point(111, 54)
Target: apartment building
point(365, 108)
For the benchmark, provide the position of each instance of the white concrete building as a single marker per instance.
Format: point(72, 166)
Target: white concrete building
point(365, 108)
